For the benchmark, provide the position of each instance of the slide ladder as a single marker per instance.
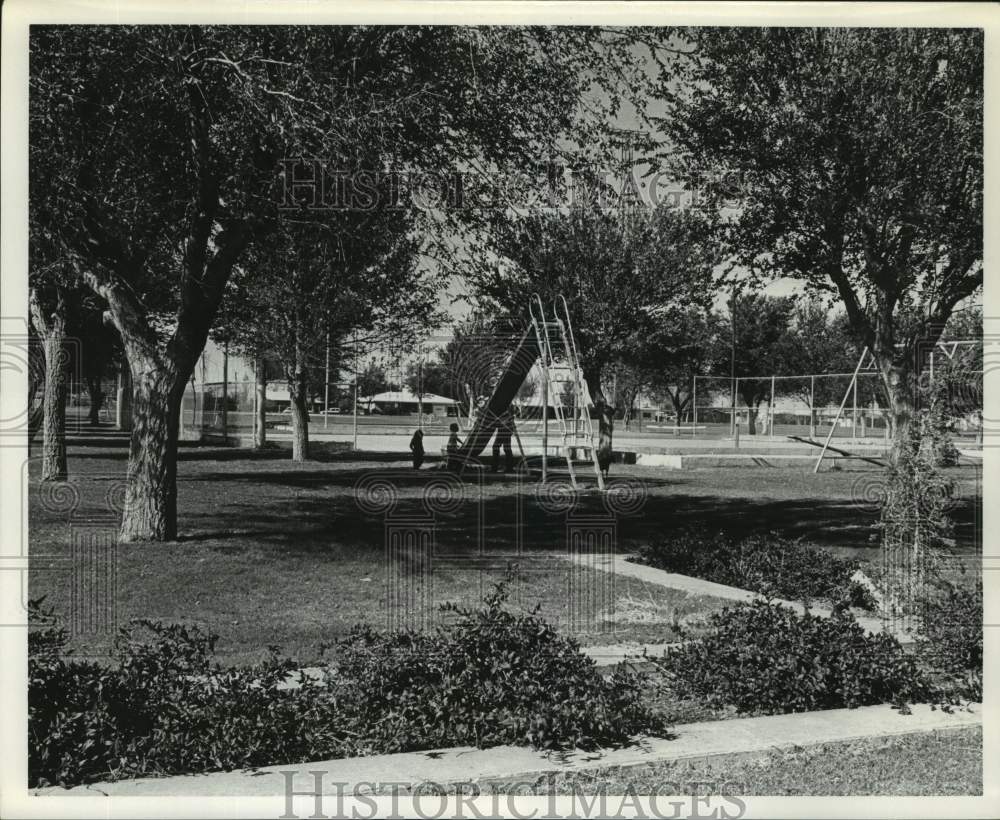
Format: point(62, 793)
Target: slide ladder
point(582, 430)
point(582, 401)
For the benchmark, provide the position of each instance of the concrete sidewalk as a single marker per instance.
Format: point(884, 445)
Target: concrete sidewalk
point(619, 565)
point(694, 741)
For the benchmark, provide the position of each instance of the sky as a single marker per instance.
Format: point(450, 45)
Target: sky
point(628, 119)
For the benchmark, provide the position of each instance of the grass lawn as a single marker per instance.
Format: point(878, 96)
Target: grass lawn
point(929, 763)
point(271, 552)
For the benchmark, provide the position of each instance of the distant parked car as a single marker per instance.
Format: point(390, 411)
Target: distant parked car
point(333, 411)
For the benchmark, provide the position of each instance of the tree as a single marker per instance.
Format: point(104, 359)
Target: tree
point(425, 377)
point(629, 380)
point(526, 392)
point(956, 377)
point(326, 288)
point(821, 342)
point(48, 309)
point(682, 344)
point(475, 355)
point(857, 158)
point(371, 381)
point(763, 344)
point(154, 152)
point(615, 269)
point(36, 382)
point(97, 345)
point(68, 322)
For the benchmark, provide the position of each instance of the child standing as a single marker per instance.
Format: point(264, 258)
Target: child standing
point(417, 448)
point(452, 448)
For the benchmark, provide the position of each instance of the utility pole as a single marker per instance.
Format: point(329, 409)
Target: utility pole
point(812, 407)
point(736, 421)
point(545, 416)
point(732, 360)
point(854, 425)
point(771, 408)
point(694, 405)
point(260, 402)
point(420, 392)
point(225, 392)
point(355, 390)
point(326, 387)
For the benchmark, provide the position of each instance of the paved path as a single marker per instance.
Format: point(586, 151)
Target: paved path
point(692, 741)
point(615, 653)
point(605, 655)
point(696, 586)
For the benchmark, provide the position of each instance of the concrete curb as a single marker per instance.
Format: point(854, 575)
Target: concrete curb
point(693, 741)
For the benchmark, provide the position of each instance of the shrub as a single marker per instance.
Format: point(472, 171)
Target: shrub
point(764, 658)
point(951, 636)
point(767, 563)
point(936, 425)
point(489, 678)
point(165, 707)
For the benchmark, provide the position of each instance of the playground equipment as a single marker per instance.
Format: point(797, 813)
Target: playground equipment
point(852, 388)
point(548, 341)
point(949, 348)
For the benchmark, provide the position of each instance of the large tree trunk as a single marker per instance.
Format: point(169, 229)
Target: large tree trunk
point(36, 382)
point(298, 392)
point(260, 420)
point(605, 418)
point(54, 415)
point(162, 366)
point(50, 322)
point(679, 404)
point(751, 420)
point(900, 389)
point(151, 499)
point(300, 425)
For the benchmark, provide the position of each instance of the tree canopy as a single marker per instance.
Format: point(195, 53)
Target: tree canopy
point(617, 269)
point(159, 155)
point(856, 158)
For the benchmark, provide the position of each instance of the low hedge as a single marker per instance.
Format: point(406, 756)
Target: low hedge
point(764, 658)
point(166, 707)
point(767, 563)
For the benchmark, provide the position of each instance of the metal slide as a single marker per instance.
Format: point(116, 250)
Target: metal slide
point(537, 342)
point(525, 355)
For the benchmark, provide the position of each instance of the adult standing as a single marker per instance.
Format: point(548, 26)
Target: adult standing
point(505, 431)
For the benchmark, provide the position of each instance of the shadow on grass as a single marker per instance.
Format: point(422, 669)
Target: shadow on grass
point(263, 499)
point(485, 519)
